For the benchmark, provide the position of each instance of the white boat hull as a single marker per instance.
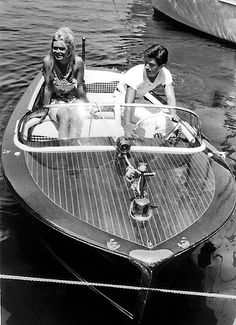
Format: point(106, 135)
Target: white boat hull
point(214, 17)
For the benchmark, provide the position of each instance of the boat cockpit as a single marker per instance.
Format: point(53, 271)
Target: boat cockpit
point(146, 127)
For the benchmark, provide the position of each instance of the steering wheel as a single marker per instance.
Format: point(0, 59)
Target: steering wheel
point(159, 123)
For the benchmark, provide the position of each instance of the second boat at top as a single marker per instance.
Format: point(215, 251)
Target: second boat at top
point(214, 17)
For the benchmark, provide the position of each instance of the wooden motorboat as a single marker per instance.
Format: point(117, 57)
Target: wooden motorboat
point(214, 17)
point(123, 202)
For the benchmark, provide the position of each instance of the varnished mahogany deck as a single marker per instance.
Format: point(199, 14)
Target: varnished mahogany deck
point(91, 187)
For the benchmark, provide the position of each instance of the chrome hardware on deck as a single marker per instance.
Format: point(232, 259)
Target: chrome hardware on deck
point(140, 208)
point(123, 146)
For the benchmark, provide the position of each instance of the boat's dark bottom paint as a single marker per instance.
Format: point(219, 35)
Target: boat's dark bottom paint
point(39, 303)
point(183, 274)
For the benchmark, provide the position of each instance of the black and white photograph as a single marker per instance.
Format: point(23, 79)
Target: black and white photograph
point(118, 162)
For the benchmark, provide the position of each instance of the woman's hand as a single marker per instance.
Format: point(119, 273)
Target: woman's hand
point(75, 83)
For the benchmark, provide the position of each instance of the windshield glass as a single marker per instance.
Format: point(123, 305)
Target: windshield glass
point(101, 125)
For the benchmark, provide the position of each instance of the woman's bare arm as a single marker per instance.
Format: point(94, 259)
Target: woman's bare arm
point(79, 76)
point(47, 89)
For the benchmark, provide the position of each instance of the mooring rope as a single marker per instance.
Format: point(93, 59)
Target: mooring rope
point(117, 286)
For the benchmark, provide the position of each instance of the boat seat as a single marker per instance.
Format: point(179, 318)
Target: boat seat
point(102, 87)
point(101, 128)
point(106, 124)
point(98, 128)
point(104, 92)
point(46, 129)
point(101, 98)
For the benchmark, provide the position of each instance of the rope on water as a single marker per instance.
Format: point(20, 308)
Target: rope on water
point(117, 286)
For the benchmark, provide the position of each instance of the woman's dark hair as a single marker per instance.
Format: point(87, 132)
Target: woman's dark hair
point(157, 52)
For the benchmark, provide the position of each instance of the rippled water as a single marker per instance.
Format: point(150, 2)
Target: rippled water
point(117, 32)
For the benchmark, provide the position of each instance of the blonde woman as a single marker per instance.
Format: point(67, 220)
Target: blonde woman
point(64, 82)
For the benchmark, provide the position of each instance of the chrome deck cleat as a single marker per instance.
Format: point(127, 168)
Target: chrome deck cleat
point(140, 209)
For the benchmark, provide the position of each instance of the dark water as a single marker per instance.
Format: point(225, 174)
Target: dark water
point(117, 32)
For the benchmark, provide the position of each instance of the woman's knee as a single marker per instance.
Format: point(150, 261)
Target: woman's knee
point(78, 115)
point(63, 115)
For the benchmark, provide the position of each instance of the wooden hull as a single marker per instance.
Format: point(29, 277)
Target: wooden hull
point(81, 201)
point(214, 17)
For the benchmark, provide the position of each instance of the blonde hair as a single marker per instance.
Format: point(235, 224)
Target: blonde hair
point(65, 35)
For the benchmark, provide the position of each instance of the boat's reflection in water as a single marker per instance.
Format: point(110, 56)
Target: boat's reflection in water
point(220, 274)
point(219, 123)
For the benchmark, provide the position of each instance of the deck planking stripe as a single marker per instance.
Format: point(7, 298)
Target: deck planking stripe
point(52, 194)
point(178, 212)
point(63, 191)
point(156, 201)
point(196, 174)
point(163, 203)
point(169, 221)
point(179, 191)
point(80, 189)
point(58, 180)
point(55, 176)
point(119, 205)
point(69, 193)
point(67, 184)
point(193, 183)
point(103, 194)
point(108, 220)
point(49, 186)
point(123, 202)
point(74, 188)
point(92, 192)
point(98, 195)
point(199, 177)
point(84, 183)
point(125, 194)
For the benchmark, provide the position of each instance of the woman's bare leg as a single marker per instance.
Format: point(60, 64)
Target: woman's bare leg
point(63, 116)
point(77, 118)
